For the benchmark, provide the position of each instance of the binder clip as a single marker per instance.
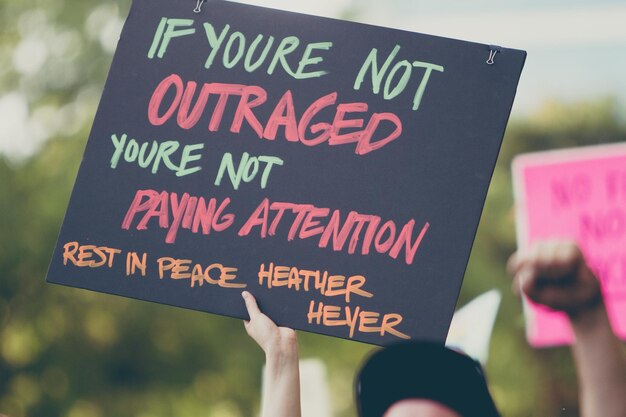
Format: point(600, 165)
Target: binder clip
point(493, 50)
point(198, 8)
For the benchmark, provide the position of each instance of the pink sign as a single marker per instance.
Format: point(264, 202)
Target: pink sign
point(578, 194)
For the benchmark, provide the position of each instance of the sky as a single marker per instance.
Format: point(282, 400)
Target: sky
point(576, 49)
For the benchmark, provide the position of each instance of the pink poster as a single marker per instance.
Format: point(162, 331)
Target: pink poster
point(578, 194)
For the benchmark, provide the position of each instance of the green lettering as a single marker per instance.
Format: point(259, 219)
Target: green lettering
point(230, 63)
point(157, 37)
point(227, 163)
point(308, 60)
point(214, 41)
point(165, 150)
point(270, 161)
point(422, 87)
point(248, 65)
point(171, 32)
point(404, 80)
point(188, 157)
point(118, 143)
point(377, 74)
point(287, 46)
point(144, 161)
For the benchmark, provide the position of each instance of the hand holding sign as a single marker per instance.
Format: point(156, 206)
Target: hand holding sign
point(281, 379)
point(271, 338)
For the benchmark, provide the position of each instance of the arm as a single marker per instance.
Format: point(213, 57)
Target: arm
point(555, 274)
point(281, 393)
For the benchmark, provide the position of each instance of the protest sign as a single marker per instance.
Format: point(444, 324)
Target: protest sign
point(335, 170)
point(472, 325)
point(580, 195)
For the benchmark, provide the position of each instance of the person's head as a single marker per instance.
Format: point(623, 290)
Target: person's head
point(420, 379)
point(419, 407)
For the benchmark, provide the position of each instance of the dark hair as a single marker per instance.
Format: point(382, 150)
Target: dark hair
point(413, 370)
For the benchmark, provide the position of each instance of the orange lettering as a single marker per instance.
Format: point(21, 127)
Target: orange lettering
point(102, 255)
point(331, 314)
point(335, 285)
point(389, 322)
point(366, 318)
point(69, 249)
point(354, 287)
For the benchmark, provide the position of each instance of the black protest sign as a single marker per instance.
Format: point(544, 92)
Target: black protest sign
point(335, 170)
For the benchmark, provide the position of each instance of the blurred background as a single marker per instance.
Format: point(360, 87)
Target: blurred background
point(72, 353)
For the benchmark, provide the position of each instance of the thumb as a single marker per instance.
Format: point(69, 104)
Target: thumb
point(251, 305)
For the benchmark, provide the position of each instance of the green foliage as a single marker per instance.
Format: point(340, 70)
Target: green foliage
point(67, 352)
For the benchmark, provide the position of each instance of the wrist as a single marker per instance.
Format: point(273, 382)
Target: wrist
point(284, 346)
point(590, 307)
point(593, 316)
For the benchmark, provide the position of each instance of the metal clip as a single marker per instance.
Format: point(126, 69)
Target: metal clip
point(493, 50)
point(198, 6)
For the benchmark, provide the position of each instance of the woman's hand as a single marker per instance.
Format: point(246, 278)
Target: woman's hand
point(281, 393)
point(271, 338)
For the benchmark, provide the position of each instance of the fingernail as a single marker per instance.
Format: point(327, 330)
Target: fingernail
point(245, 294)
